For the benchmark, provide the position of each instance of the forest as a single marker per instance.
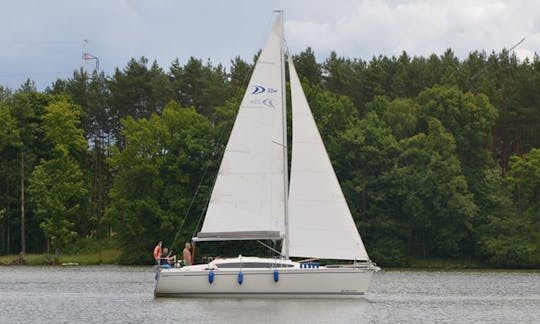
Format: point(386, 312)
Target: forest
point(438, 157)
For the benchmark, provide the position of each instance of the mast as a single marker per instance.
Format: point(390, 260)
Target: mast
point(285, 159)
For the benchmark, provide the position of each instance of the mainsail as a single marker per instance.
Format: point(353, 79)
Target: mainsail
point(320, 222)
point(247, 200)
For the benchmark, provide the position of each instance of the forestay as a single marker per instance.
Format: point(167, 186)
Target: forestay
point(247, 199)
point(320, 222)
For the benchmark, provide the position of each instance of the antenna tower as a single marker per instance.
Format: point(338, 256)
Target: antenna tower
point(88, 57)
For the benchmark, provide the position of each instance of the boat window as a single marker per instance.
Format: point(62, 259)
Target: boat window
point(253, 265)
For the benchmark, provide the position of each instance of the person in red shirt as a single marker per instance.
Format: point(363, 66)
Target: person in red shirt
point(157, 252)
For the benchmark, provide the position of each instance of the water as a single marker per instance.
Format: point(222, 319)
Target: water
point(110, 294)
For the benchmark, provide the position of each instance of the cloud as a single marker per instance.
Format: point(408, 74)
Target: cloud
point(376, 27)
point(43, 40)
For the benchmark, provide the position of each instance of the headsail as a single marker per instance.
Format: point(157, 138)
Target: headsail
point(247, 201)
point(320, 222)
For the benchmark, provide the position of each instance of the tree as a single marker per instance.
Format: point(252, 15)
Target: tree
point(10, 145)
point(525, 175)
point(199, 85)
point(432, 192)
point(239, 75)
point(9, 133)
point(155, 177)
point(503, 238)
point(470, 118)
point(137, 91)
point(402, 117)
point(307, 67)
point(366, 151)
point(333, 113)
point(27, 108)
point(5, 93)
point(56, 187)
point(344, 76)
point(92, 94)
point(512, 240)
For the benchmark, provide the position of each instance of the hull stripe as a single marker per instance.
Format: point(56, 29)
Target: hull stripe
point(262, 293)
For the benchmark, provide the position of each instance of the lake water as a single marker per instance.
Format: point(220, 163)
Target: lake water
point(111, 294)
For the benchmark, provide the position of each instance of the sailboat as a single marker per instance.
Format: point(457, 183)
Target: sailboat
point(252, 200)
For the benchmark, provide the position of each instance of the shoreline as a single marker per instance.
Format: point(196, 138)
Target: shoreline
point(107, 256)
point(112, 257)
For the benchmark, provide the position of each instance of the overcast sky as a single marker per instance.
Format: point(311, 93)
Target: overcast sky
point(43, 40)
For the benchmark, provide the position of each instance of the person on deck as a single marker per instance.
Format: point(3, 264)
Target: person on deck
point(186, 255)
point(157, 252)
point(165, 260)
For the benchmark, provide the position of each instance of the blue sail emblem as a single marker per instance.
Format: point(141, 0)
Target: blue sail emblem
point(258, 89)
point(268, 103)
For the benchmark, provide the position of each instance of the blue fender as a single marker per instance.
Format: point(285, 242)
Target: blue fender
point(240, 277)
point(211, 276)
point(276, 275)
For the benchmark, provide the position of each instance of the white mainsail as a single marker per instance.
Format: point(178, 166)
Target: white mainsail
point(247, 200)
point(320, 222)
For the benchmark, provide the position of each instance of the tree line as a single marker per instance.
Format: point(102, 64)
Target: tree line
point(438, 157)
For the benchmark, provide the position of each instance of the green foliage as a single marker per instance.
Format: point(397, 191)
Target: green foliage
point(307, 67)
point(433, 192)
point(9, 133)
point(156, 175)
point(437, 156)
point(402, 117)
point(389, 251)
point(137, 91)
point(61, 125)
point(514, 240)
point(525, 175)
point(468, 117)
point(239, 75)
point(57, 186)
point(203, 86)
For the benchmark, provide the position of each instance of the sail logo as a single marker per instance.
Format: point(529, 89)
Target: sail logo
point(260, 89)
point(266, 102)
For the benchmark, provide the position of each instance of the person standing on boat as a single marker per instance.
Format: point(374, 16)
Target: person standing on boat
point(186, 255)
point(157, 252)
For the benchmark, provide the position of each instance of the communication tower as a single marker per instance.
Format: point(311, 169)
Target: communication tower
point(88, 57)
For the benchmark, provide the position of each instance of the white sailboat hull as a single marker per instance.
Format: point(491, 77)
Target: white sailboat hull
point(194, 281)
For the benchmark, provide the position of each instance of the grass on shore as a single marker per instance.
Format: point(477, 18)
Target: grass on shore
point(108, 256)
point(445, 264)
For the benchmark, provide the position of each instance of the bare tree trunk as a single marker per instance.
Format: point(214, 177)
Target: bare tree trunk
point(8, 235)
point(23, 240)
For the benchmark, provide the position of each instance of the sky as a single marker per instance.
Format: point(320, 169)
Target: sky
point(43, 40)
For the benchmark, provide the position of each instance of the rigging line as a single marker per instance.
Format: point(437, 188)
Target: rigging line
point(487, 65)
point(198, 187)
point(269, 247)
